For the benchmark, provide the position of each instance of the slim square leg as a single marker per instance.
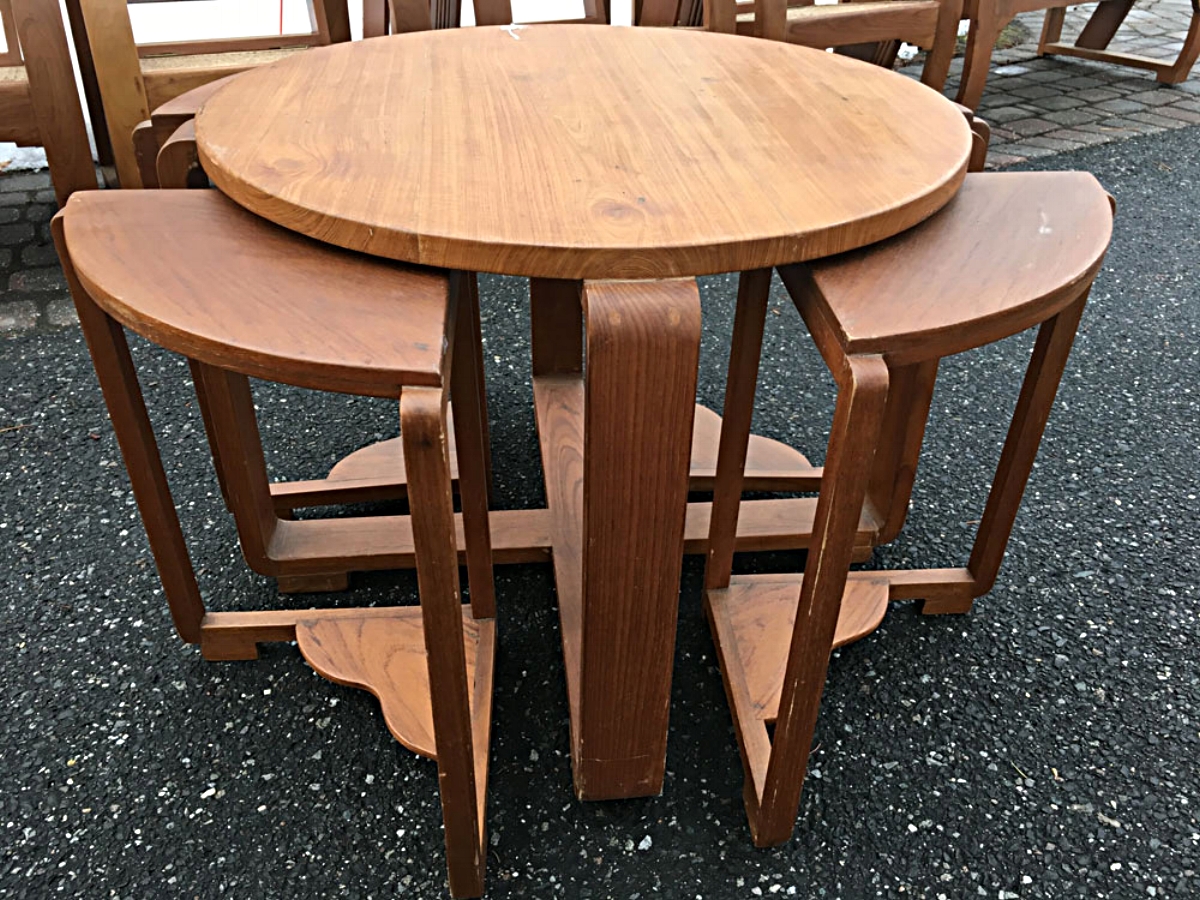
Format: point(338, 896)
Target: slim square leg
point(423, 427)
point(773, 803)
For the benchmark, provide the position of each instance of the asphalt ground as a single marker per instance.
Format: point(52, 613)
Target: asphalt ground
point(1045, 745)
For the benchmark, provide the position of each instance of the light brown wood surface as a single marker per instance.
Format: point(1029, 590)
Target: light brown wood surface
point(200, 309)
point(580, 151)
point(1059, 223)
point(430, 669)
point(39, 104)
point(383, 651)
point(1012, 251)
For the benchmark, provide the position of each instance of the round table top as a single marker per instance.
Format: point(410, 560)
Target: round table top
point(576, 151)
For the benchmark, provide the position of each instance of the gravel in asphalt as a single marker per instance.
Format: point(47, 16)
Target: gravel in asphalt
point(1043, 746)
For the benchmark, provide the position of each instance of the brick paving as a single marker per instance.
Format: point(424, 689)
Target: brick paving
point(33, 294)
point(1042, 106)
point(1037, 108)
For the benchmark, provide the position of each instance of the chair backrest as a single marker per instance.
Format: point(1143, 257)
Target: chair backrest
point(41, 105)
point(871, 30)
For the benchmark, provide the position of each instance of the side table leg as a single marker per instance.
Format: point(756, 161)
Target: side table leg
point(643, 347)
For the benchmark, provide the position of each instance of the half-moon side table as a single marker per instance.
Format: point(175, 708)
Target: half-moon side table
point(610, 165)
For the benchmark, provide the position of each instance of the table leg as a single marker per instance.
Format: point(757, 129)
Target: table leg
point(615, 453)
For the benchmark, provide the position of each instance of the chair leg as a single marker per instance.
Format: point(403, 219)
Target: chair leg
point(1102, 27)
point(1042, 378)
point(910, 393)
point(941, 54)
point(1190, 52)
point(863, 387)
point(238, 457)
point(471, 444)
point(423, 429)
point(754, 289)
point(127, 408)
point(980, 41)
point(1052, 27)
point(209, 428)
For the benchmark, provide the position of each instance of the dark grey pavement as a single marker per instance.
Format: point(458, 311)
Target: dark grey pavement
point(1046, 745)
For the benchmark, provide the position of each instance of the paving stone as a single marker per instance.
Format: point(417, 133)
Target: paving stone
point(1154, 98)
point(35, 280)
point(1048, 73)
point(1095, 95)
point(46, 196)
point(1003, 114)
point(11, 198)
point(1081, 82)
point(61, 312)
point(6, 256)
point(1121, 107)
point(17, 318)
point(1036, 92)
point(1000, 160)
point(39, 255)
point(9, 214)
point(1128, 126)
point(1026, 150)
point(1054, 144)
point(1158, 121)
point(40, 212)
point(1078, 137)
point(26, 181)
point(1185, 115)
point(1079, 116)
point(1026, 127)
point(1057, 102)
point(11, 235)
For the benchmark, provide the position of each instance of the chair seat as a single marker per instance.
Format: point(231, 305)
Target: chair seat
point(222, 286)
point(1008, 252)
point(239, 59)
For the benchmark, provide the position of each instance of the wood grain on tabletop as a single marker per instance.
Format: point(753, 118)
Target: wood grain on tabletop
point(574, 151)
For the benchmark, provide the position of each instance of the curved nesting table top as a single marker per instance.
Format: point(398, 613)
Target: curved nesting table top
point(574, 151)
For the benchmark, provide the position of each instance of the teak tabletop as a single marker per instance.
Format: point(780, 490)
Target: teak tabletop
point(569, 151)
point(575, 152)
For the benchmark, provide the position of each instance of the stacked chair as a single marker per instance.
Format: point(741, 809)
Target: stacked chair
point(211, 291)
point(882, 319)
point(133, 80)
point(869, 29)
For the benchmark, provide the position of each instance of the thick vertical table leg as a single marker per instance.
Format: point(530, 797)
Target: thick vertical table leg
point(643, 346)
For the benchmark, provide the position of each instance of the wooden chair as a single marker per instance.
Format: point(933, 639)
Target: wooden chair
point(133, 79)
point(39, 105)
point(1010, 252)
point(989, 17)
point(867, 29)
point(212, 291)
point(367, 477)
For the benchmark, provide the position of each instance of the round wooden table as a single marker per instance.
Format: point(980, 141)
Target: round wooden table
point(571, 152)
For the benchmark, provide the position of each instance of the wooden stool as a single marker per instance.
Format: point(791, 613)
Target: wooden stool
point(1010, 252)
point(240, 297)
